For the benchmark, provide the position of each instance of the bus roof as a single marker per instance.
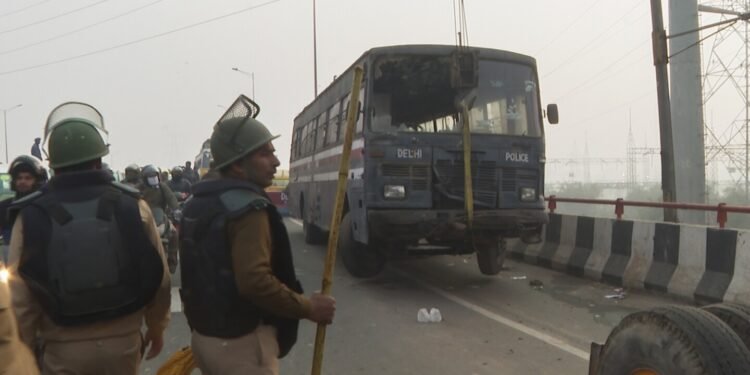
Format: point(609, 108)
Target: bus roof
point(417, 49)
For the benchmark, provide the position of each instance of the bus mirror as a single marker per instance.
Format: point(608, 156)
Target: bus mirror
point(552, 114)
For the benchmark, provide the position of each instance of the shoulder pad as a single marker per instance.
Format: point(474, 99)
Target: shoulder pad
point(127, 189)
point(238, 199)
point(27, 199)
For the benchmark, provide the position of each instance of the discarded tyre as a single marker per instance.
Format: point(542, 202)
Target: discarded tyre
point(673, 340)
point(735, 316)
point(359, 259)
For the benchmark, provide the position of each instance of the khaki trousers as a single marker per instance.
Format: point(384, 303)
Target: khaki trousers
point(106, 356)
point(253, 354)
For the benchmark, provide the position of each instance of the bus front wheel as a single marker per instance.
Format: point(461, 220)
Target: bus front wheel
point(360, 260)
point(490, 255)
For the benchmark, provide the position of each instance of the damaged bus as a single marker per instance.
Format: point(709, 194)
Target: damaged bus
point(407, 191)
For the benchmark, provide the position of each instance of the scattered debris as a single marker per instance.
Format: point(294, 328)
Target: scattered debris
point(536, 284)
point(432, 316)
point(435, 315)
point(518, 278)
point(619, 293)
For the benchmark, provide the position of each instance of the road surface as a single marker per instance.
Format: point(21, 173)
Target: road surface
point(491, 325)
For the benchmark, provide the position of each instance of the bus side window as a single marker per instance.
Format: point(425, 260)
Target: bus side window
point(360, 115)
point(333, 124)
point(343, 107)
point(306, 140)
point(321, 131)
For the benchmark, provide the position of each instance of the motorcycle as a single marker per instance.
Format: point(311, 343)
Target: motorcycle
point(168, 234)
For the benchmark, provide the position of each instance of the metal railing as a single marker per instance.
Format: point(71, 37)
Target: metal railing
point(722, 210)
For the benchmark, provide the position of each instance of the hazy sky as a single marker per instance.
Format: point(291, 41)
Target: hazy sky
point(160, 95)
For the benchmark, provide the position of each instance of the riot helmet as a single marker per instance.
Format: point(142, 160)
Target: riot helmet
point(177, 173)
point(31, 165)
point(150, 176)
point(238, 133)
point(73, 134)
point(132, 173)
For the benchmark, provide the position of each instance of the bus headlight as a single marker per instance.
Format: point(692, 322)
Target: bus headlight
point(394, 192)
point(528, 194)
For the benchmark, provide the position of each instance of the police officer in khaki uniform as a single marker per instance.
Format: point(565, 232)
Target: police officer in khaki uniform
point(92, 270)
point(239, 288)
point(15, 357)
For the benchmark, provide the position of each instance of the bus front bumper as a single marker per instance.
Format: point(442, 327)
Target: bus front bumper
point(448, 225)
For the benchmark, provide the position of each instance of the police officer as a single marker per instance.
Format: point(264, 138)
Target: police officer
point(190, 174)
point(92, 270)
point(15, 357)
point(27, 175)
point(179, 184)
point(133, 175)
point(158, 195)
point(244, 304)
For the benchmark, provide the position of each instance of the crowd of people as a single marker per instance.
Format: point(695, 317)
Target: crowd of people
point(90, 258)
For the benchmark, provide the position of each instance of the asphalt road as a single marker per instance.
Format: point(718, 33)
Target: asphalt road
point(491, 325)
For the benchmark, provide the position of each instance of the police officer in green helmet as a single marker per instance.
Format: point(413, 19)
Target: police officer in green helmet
point(92, 271)
point(245, 304)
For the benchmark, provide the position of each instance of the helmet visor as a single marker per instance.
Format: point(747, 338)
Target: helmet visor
point(74, 111)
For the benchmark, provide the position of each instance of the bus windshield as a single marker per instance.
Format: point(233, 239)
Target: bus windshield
point(414, 94)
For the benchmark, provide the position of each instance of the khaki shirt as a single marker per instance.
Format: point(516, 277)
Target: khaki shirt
point(15, 357)
point(251, 243)
point(32, 319)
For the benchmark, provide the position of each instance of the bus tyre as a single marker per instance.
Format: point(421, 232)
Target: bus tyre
point(490, 256)
point(673, 340)
point(313, 234)
point(359, 259)
point(735, 316)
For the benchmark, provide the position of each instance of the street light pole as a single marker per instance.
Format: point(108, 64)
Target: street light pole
point(252, 78)
point(5, 126)
point(315, 51)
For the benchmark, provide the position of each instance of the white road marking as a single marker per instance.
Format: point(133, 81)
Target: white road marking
point(541, 336)
point(176, 303)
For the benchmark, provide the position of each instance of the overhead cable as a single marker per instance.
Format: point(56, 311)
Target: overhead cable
point(582, 14)
point(52, 18)
point(12, 12)
point(136, 41)
point(16, 49)
point(583, 49)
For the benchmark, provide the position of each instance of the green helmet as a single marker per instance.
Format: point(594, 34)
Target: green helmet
point(238, 133)
point(73, 132)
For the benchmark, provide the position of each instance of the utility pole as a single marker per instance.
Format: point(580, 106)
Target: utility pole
point(661, 58)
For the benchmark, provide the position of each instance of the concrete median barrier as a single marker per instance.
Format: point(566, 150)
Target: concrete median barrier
point(703, 264)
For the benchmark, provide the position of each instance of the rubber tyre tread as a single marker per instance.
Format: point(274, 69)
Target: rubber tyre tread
point(490, 258)
point(735, 317)
point(358, 259)
point(313, 234)
point(674, 340)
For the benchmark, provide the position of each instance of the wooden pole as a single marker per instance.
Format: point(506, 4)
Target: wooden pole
point(338, 209)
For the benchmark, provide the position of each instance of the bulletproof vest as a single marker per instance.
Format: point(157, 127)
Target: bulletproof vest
point(209, 292)
point(86, 255)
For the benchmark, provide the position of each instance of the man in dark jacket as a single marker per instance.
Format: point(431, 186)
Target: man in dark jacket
point(27, 175)
point(239, 288)
point(36, 150)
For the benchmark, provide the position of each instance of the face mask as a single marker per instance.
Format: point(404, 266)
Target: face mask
point(153, 181)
